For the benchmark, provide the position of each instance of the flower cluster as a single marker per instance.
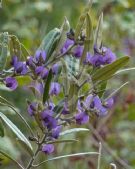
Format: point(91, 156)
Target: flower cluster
point(53, 113)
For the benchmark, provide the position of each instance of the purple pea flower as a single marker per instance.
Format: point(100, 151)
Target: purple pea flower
point(21, 68)
point(44, 73)
point(78, 51)
point(67, 44)
point(48, 148)
point(40, 56)
point(56, 131)
point(14, 60)
point(11, 83)
point(81, 118)
point(39, 70)
point(37, 86)
point(94, 104)
point(65, 110)
point(32, 108)
point(30, 62)
point(55, 68)
point(109, 103)
point(48, 120)
point(55, 88)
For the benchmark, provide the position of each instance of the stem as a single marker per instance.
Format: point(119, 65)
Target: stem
point(36, 153)
point(99, 156)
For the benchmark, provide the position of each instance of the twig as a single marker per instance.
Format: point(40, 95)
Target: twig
point(108, 149)
point(99, 156)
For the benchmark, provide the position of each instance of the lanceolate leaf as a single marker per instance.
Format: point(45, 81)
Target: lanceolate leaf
point(26, 147)
point(1, 130)
point(4, 50)
point(101, 88)
point(98, 32)
point(74, 130)
point(67, 156)
point(15, 46)
point(109, 70)
point(9, 157)
point(49, 42)
point(82, 19)
point(47, 86)
point(62, 141)
point(23, 80)
point(16, 131)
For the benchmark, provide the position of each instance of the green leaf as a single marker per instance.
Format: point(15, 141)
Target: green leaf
point(74, 130)
point(47, 86)
point(23, 80)
point(66, 83)
point(98, 32)
point(26, 147)
point(62, 141)
point(81, 20)
point(108, 71)
point(16, 131)
point(49, 42)
point(4, 50)
point(124, 70)
point(67, 156)
point(101, 88)
point(24, 52)
point(15, 46)
point(1, 129)
point(9, 157)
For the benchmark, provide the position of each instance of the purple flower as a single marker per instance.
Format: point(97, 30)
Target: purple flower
point(37, 86)
point(93, 103)
point(40, 56)
point(102, 57)
point(81, 118)
point(44, 73)
point(14, 60)
point(30, 62)
point(20, 68)
point(67, 44)
point(55, 88)
point(39, 70)
point(56, 131)
point(11, 83)
point(55, 68)
point(78, 51)
point(65, 109)
point(48, 120)
point(109, 103)
point(32, 108)
point(88, 58)
point(48, 148)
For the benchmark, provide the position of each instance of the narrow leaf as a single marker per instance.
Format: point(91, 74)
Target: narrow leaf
point(24, 52)
point(47, 86)
point(23, 80)
point(26, 147)
point(16, 131)
point(107, 71)
point(67, 156)
point(62, 141)
point(1, 129)
point(98, 32)
point(9, 157)
point(124, 70)
point(74, 130)
point(49, 42)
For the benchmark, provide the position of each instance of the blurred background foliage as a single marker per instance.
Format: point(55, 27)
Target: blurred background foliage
point(30, 20)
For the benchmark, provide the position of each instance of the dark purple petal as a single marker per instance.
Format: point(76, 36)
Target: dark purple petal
point(21, 68)
point(55, 88)
point(78, 51)
point(102, 112)
point(55, 68)
point(81, 118)
point(109, 103)
point(11, 83)
point(32, 108)
point(56, 131)
point(67, 44)
point(37, 86)
point(39, 70)
point(40, 56)
point(44, 73)
point(14, 60)
point(48, 148)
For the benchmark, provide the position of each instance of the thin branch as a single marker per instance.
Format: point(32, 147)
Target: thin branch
point(99, 156)
point(108, 149)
